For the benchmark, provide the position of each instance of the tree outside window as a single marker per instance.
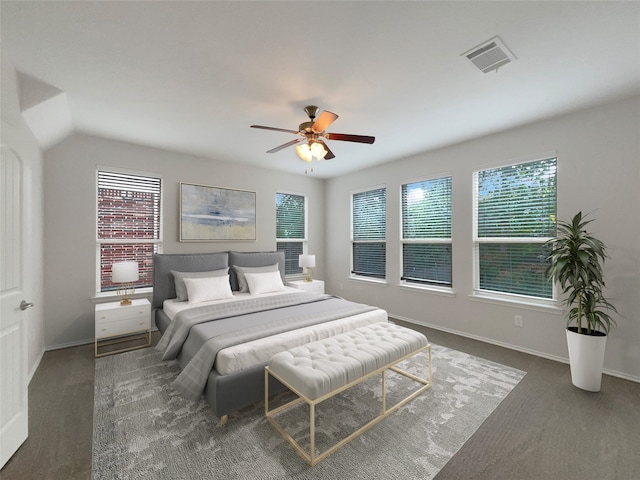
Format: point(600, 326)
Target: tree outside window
point(515, 214)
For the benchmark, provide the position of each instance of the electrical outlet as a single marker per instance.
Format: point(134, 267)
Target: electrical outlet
point(518, 321)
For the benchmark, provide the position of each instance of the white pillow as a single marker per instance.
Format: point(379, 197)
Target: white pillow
point(209, 288)
point(243, 287)
point(264, 282)
point(181, 289)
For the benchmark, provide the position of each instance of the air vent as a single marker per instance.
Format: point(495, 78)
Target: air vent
point(490, 55)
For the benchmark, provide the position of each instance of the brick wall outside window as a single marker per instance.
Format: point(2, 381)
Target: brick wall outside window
point(127, 216)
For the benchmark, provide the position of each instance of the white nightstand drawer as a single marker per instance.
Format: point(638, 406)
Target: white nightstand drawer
point(121, 327)
point(111, 313)
point(316, 286)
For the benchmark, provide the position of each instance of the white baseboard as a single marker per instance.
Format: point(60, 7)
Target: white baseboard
point(35, 367)
point(517, 348)
point(76, 343)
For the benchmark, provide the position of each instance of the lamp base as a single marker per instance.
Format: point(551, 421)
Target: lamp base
point(125, 293)
point(308, 272)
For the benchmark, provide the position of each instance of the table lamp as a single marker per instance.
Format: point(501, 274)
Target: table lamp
point(124, 274)
point(307, 262)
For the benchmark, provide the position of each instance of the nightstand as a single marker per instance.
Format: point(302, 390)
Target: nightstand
point(117, 324)
point(316, 286)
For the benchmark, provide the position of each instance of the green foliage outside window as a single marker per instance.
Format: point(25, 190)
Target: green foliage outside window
point(426, 232)
point(516, 214)
point(290, 229)
point(369, 226)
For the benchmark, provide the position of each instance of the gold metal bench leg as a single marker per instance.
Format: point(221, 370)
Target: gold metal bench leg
point(429, 364)
point(384, 392)
point(312, 432)
point(266, 392)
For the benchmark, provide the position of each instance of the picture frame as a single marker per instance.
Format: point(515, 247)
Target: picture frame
point(209, 213)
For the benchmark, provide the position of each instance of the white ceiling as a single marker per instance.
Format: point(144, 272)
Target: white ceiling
point(193, 76)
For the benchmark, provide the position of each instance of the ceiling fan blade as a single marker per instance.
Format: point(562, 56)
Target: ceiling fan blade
point(274, 128)
point(349, 138)
point(285, 145)
point(325, 119)
point(329, 154)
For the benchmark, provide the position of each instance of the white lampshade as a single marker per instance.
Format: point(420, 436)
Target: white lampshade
point(307, 261)
point(124, 272)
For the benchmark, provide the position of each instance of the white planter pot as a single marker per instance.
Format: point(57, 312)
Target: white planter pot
point(586, 357)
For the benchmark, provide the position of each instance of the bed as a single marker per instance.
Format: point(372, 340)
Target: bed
point(223, 340)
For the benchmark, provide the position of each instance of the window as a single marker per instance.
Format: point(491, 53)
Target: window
point(515, 213)
point(128, 224)
point(426, 232)
point(291, 234)
point(369, 213)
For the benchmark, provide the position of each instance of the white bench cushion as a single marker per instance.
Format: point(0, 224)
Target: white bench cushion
point(321, 367)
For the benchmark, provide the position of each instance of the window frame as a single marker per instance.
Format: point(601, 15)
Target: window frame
point(426, 284)
point(353, 274)
point(304, 241)
point(531, 301)
point(124, 241)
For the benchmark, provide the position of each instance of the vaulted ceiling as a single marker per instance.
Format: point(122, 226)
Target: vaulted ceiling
point(193, 76)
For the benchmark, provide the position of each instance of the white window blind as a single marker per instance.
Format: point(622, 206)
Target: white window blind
point(129, 214)
point(426, 232)
point(369, 215)
point(291, 229)
point(515, 214)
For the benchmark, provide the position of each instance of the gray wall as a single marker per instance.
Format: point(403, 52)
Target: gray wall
point(598, 171)
point(70, 212)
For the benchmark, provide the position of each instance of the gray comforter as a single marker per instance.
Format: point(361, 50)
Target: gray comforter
point(233, 323)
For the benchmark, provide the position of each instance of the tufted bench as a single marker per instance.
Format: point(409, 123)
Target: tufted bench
point(321, 369)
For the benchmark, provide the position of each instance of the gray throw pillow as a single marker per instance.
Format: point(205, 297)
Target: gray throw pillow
point(181, 288)
point(243, 286)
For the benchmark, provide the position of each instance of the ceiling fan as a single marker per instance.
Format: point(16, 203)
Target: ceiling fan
point(312, 135)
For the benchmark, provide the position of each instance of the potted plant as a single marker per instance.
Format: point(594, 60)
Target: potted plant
point(577, 260)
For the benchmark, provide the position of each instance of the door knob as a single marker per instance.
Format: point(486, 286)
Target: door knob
point(24, 305)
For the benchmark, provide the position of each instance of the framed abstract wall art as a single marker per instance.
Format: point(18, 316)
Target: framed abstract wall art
point(216, 214)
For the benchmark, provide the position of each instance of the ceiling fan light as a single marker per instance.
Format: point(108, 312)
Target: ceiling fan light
point(304, 152)
point(318, 150)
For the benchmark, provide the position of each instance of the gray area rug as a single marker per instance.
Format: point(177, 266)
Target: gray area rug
point(143, 429)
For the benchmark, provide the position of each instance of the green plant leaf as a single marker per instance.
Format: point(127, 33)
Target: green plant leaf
point(576, 264)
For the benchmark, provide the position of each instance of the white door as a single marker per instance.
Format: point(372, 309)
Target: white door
point(13, 315)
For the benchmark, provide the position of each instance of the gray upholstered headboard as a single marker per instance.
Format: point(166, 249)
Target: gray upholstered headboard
point(164, 284)
point(254, 259)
